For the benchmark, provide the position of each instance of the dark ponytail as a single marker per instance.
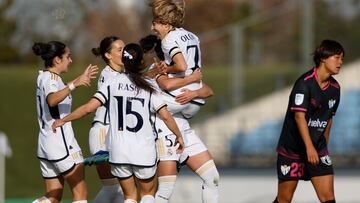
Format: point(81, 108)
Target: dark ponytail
point(152, 42)
point(105, 46)
point(132, 59)
point(48, 51)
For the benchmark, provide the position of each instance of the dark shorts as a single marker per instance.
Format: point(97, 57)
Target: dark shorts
point(300, 169)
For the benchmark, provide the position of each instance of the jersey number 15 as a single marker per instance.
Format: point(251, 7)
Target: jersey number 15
point(129, 111)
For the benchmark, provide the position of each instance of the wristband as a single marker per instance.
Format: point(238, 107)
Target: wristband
point(71, 86)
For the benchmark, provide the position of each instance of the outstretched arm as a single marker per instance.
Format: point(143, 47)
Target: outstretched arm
point(84, 79)
point(80, 112)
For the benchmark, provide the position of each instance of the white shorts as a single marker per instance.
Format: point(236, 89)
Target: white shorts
point(188, 110)
point(126, 171)
point(97, 137)
point(55, 169)
point(193, 143)
point(167, 151)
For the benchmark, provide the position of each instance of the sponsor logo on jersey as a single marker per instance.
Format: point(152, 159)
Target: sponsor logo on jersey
point(285, 169)
point(332, 103)
point(317, 123)
point(299, 99)
point(326, 160)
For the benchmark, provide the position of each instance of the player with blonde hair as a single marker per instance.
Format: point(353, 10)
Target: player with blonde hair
point(182, 55)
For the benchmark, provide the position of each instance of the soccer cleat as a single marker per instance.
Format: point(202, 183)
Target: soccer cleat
point(99, 157)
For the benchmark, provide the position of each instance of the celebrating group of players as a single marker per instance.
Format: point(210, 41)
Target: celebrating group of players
point(146, 94)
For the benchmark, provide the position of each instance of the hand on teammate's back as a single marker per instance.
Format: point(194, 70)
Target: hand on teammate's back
point(196, 75)
point(186, 96)
point(57, 123)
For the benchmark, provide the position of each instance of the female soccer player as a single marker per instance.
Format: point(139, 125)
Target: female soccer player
point(182, 56)
point(181, 52)
point(59, 153)
point(110, 50)
point(302, 148)
point(131, 143)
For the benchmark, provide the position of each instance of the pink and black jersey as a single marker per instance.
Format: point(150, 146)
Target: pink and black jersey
point(319, 105)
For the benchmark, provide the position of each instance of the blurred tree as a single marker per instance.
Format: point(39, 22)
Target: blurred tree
point(7, 53)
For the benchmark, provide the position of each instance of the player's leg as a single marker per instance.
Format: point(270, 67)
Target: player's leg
point(166, 170)
point(54, 191)
point(76, 181)
point(324, 187)
point(128, 186)
point(110, 190)
point(147, 182)
point(200, 161)
point(125, 176)
point(166, 178)
point(286, 189)
point(54, 183)
point(203, 165)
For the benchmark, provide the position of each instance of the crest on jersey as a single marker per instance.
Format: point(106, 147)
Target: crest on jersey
point(331, 103)
point(285, 169)
point(299, 99)
point(326, 160)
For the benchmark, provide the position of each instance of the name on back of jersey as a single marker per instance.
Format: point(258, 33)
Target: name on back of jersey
point(187, 37)
point(127, 87)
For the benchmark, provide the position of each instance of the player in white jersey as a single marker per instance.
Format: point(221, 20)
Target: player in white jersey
point(181, 52)
point(131, 102)
point(59, 153)
point(165, 143)
point(110, 50)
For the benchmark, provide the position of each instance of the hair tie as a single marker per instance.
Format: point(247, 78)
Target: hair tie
point(127, 55)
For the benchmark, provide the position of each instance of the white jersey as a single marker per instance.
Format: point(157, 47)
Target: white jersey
point(101, 114)
point(130, 138)
point(187, 43)
point(172, 106)
point(53, 146)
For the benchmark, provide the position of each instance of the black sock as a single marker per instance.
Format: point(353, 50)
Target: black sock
point(330, 201)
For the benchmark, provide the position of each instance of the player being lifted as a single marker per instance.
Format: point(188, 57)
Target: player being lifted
point(182, 56)
point(59, 153)
point(302, 147)
point(130, 141)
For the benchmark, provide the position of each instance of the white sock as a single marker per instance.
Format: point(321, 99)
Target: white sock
point(110, 192)
point(42, 200)
point(80, 201)
point(147, 199)
point(130, 201)
point(165, 188)
point(210, 176)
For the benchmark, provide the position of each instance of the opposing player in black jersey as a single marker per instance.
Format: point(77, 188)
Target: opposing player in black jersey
point(302, 148)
